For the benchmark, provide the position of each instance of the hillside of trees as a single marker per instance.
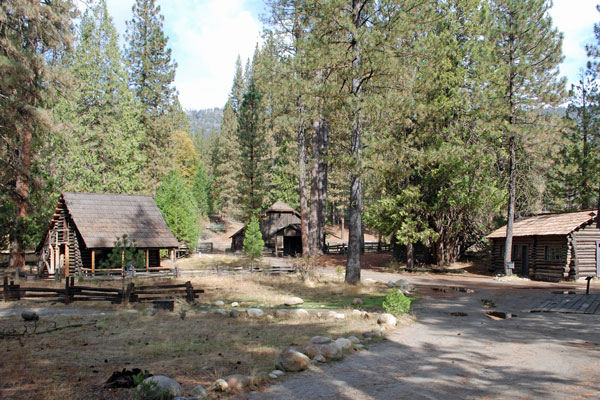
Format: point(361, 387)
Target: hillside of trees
point(428, 122)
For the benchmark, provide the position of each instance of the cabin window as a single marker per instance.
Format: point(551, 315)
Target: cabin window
point(553, 253)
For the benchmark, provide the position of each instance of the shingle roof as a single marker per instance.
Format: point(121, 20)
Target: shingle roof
point(280, 206)
point(547, 224)
point(102, 218)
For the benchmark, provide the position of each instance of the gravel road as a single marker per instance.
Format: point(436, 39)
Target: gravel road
point(535, 355)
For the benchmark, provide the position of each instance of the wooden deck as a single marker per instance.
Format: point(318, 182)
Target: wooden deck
point(571, 303)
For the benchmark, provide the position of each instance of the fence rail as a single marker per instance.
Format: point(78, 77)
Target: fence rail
point(72, 292)
point(370, 247)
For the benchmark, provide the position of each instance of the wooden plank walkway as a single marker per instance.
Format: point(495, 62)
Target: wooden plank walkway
point(571, 303)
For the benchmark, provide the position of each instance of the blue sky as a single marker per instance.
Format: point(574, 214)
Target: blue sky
point(206, 37)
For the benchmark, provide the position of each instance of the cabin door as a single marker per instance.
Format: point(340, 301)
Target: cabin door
point(525, 260)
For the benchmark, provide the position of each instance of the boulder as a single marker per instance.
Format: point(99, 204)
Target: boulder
point(344, 343)
point(372, 334)
point(237, 382)
point(354, 339)
point(218, 303)
point(358, 347)
point(281, 313)
point(299, 313)
point(323, 346)
point(357, 313)
point(357, 301)
point(293, 301)
point(234, 313)
point(270, 318)
point(273, 376)
point(320, 358)
point(199, 392)
point(220, 311)
point(387, 319)
point(278, 372)
point(220, 385)
point(235, 304)
point(291, 360)
point(255, 312)
point(160, 384)
point(29, 316)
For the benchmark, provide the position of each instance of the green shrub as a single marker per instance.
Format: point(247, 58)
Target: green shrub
point(396, 303)
point(253, 241)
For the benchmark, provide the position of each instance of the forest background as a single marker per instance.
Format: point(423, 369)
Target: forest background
point(429, 122)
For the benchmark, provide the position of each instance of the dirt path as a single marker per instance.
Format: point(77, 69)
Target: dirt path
point(550, 356)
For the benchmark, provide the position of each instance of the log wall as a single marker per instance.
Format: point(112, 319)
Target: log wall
point(585, 250)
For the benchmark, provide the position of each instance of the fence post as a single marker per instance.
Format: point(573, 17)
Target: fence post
point(128, 292)
point(6, 293)
point(67, 291)
point(189, 292)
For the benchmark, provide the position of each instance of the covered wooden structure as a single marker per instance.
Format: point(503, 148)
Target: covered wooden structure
point(551, 246)
point(280, 228)
point(85, 226)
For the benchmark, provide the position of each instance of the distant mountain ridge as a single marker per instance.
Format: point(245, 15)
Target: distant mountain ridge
point(203, 122)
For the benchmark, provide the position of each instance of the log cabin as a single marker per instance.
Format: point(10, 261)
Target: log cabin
point(551, 247)
point(85, 226)
point(280, 228)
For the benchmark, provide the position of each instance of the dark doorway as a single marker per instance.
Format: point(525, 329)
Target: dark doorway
point(525, 260)
point(292, 245)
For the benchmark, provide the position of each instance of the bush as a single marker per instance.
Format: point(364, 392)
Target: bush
point(253, 241)
point(396, 303)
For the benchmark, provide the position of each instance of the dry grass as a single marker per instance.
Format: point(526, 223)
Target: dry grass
point(75, 362)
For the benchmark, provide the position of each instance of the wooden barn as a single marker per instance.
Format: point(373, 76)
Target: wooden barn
point(551, 246)
point(85, 226)
point(280, 228)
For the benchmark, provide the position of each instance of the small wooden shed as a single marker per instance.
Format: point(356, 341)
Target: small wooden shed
point(85, 226)
point(280, 228)
point(551, 246)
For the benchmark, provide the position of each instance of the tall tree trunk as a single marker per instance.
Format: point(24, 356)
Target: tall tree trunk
point(410, 255)
point(318, 188)
point(355, 206)
point(22, 186)
point(302, 184)
point(511, 203)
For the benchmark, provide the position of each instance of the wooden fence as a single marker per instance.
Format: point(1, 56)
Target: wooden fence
point(370, 247)
point(72, 292)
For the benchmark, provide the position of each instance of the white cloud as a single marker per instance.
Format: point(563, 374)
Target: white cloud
point(576, 20)
point(205, 37)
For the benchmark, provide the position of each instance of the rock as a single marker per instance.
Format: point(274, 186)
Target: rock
point(278, 372)
point(255, 312)
point(354, 339)
point(234, 314)
point(245, 304)
point(199, 392)
point(293, 301)
point(237, 382)
point(220, 311)
point(281, 313)
point(152, 311)
point(299, 313)
point(270, 317)
point(218, 303)
point(161, 384)
point(387, 319)
point(344, 343)
point(402, 284)
point(325, 347)
point(30, 316)
point(220, 385)
point(357, 313)
point(320, 358)
point(291, 360)
point(273, 376)
point(364, 314)
point(235, 304)
point(357, 301)
point(339, 316)
point(358, 347)
point(372, 334)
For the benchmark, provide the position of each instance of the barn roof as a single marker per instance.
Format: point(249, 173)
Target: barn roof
point(102, 218)
point(280, 206)
point(547, 224)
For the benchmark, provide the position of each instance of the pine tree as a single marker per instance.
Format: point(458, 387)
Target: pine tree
point(103, 143)
point(202, 190)
point(32, 33)
point(253, 155)
point(528, 50)
point(253, 241)
point(151, 75)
